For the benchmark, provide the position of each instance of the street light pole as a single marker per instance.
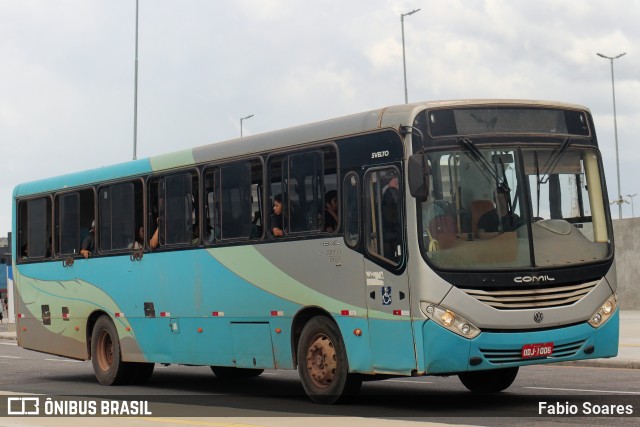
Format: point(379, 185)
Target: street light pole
point(135, 94)
point(241, 120)
point(615, 130)
point(404, 62)
point(631, 196)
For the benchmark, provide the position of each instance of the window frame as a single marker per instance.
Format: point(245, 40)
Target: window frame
point(150, 215)
point(367, 219)
point(345, 217)
point(22, 240)
point(137, 204)
point(84, 221)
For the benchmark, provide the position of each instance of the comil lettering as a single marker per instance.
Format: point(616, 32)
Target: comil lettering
point(533, 279)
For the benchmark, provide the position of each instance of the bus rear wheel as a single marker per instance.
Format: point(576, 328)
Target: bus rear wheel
point(322, 363)
point(106, 359)
point(492, 381)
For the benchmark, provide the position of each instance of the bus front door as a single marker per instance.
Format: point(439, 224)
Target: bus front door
point(387, 284)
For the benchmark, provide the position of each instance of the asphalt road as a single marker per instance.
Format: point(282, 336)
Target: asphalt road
point(276, 397)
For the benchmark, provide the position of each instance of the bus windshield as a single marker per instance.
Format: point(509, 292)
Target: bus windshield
point(497, 208)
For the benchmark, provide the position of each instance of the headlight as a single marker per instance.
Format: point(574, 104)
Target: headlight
point(605, 311)
point(450, 320)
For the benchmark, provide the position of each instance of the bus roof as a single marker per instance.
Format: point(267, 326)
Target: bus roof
point(388, 117)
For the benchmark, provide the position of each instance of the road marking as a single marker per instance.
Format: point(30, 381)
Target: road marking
point(409, 381)
point(579, 389)
point(10, 357)
point(65, 360)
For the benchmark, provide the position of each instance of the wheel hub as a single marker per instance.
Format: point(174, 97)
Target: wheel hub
point(321, 361)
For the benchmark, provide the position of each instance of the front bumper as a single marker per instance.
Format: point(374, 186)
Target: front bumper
point(448, 353)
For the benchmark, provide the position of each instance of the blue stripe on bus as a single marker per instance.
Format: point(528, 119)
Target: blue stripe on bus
point(120, 171)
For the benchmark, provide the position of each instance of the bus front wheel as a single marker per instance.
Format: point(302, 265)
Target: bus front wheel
point(491, 381)
point(106, 358)
point(322, 363)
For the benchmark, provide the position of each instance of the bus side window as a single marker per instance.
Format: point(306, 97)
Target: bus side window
point(306, 191)
point(75, 216)
point(211, 230)
point(34, 225)
point(351, 209)
point(383, 202)
point(174, 212)
point(235, 203)
point(276, 190)
point(120, 208)
point(179, 212)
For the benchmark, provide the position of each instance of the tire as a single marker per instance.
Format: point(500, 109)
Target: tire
point(322, 363)
point(492, 381)
point(106, 357)
point(231, 373)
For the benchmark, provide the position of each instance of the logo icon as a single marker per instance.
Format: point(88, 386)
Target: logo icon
point(538, 316)
point(23, 406)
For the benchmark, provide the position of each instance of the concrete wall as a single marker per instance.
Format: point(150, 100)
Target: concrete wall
point(627, 237)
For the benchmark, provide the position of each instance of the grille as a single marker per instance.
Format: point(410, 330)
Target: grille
point(519, 299)
point(515, 354)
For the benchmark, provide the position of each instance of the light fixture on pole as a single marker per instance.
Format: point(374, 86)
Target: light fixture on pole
point(241, 120)
point(615, 130)
point(631, 196)
point(135, 94)
point(404, 63)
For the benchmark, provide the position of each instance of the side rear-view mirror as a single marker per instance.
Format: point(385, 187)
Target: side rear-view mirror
point(418, 177)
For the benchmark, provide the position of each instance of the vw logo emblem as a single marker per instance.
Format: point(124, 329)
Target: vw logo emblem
point(538, 316)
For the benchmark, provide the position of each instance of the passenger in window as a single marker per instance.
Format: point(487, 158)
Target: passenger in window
point(138, 242)
point(499, 219)
point(89, 243)
point(154, 242)
point(158, 236)
point(278, 218)
point(331, 211)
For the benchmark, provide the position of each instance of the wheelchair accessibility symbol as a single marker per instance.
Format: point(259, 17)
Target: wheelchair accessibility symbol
point(386, 295)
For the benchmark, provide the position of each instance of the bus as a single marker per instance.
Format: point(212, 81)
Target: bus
point(473, 238)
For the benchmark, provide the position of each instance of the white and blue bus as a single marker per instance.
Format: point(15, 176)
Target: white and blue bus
point(473, 237)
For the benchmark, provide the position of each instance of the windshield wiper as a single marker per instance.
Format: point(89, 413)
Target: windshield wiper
point(486, 167)
point(549, 166)
point(553, 160)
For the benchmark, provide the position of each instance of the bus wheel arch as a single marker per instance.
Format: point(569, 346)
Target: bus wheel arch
point(301, 318)
point(91, 322)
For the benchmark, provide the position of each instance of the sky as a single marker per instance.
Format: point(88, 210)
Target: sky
point(67, 72)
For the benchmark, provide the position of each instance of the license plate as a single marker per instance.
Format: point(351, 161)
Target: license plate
point(537, 350)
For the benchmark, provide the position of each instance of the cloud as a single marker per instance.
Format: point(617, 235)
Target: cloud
point(66, 81)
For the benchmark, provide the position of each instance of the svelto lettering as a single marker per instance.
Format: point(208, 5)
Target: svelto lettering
point(380, 154)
